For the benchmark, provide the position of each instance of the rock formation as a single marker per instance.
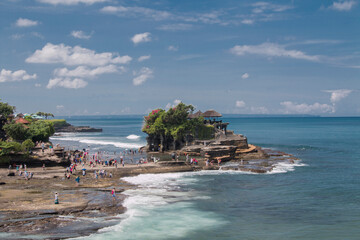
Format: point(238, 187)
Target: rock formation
point(67, 127)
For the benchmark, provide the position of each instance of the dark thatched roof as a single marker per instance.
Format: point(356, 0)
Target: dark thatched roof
point(195, 115)
point(211, 113)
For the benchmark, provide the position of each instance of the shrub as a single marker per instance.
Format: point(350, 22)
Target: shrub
point(6, 109)
point(27, 145)
point(174, 123)
point(17, 131)
point(57, 122)
point(8, 147)
point(206, 132)
point(41, 130)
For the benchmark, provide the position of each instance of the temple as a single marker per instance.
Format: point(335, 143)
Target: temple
point(202, 134)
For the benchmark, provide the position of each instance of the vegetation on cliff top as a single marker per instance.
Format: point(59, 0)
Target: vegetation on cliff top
point(6, 109)
point(174, 123)
point(21, 137)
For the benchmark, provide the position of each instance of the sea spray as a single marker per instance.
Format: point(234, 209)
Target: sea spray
point(133, 137)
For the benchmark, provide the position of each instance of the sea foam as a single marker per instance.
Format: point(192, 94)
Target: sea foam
point(133, 137)
point(284, 167)
point(99, 142)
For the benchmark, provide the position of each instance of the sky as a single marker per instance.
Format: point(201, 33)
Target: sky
point(115, 57)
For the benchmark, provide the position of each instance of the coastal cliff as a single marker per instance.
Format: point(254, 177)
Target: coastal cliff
point(63, 126)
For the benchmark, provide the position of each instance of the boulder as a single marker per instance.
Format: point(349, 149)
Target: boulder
point(218, 151)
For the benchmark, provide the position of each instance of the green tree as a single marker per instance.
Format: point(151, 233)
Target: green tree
point(41, 130)
point(8, 147)
point(6, 109)
point(27, 145)
point(46, 115)
point(17, 131)
point(172, 126)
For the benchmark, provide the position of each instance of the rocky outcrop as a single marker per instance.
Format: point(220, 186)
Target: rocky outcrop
point(70, 128)
point(225, 148)
point(215, 152)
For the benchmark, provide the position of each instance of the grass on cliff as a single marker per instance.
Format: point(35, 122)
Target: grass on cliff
point(57, 122)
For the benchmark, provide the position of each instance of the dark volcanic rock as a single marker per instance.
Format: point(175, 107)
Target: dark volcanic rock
point(218, 151)
point(71, 128)
point(171, 163)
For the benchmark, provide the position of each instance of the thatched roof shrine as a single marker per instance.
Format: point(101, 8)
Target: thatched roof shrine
point(195, 115)
point(211, 114)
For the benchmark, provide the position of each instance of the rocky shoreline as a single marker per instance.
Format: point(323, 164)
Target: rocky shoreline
point(27, 207)
point(67, 127)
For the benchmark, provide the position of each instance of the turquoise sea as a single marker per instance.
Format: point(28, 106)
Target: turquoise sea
point(319, 198)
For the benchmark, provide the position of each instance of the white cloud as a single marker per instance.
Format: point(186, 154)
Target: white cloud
point(85, 72)
point(176, 27)
point(17, 36)
point(247, 21)
point(174, 104)
point(137, 12)
point(339, 94)
point(336, 96)
point(66, 83)
point(188, 57)
point(272, 50)
point(141, 76)
point(173, 48)
point(23, 22)
point(245, 76)
point(80, 35)
point(143, 58)
point(37, 85)
point(141, 37)
point(303, 108)
point(60, 107)
point(168, 106)
point(343, 5)
point(19, 75)
point(240, 104)
point(259, 110)
point(141, 12)
point(77, 55)
point(71, 2)
point(260, 7)
point(207, 18)
point(38, 35)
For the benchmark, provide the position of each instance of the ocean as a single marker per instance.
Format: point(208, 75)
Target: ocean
point(318, 198)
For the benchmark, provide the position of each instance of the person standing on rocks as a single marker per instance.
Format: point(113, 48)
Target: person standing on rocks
point(77, 180)
point(113, 194)
point(56, 198)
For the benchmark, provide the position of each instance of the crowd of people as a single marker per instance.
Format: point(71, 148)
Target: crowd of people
point(21, 170)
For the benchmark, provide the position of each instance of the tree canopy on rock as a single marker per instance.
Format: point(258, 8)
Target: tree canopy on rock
point(173, 122)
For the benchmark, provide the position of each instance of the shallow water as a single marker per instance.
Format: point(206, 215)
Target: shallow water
point(317, 199)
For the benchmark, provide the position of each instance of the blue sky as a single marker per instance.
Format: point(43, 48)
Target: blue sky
point(84, 57)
